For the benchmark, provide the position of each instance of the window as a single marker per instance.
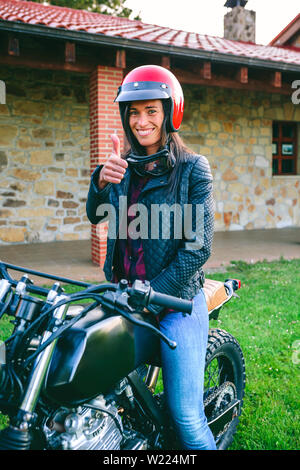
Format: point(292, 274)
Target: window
point(284, 148)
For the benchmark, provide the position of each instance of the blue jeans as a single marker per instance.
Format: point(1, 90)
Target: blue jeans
point(183, 373)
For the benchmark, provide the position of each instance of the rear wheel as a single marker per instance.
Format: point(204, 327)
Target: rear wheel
point(224, 384)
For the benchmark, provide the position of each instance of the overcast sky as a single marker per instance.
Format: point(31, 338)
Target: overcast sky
point(206, 16)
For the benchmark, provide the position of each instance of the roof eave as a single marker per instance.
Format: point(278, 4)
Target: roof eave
point(84, 37)
point(287, 32)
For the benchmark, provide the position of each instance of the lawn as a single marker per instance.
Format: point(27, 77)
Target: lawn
point(265, 321)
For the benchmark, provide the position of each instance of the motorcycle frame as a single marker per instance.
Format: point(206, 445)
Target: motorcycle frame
point(145, 389)
point(153, 370)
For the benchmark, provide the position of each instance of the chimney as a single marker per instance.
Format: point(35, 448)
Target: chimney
point(239, 24)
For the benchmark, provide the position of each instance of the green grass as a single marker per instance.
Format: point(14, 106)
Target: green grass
point(265, 321)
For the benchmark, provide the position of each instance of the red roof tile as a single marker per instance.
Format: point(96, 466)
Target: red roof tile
point(95, 23)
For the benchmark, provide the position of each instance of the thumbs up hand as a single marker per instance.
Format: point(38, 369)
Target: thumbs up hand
point(116, 144)
point(114, 168)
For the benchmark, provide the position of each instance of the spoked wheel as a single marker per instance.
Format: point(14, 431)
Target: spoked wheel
point(224, 384)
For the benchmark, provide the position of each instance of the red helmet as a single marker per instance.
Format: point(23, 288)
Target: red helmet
point(150, 82)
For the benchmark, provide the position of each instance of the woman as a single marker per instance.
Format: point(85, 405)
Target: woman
point(158, 169)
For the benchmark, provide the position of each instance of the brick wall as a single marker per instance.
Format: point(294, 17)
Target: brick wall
point(104, 120)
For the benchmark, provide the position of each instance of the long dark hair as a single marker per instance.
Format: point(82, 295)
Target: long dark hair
point(179, 152)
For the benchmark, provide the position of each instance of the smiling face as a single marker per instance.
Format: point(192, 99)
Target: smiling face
point(145, 121)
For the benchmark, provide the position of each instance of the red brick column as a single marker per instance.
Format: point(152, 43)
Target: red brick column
point(104, 121)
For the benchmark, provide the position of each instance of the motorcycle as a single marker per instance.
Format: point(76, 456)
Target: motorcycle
point(68, 373)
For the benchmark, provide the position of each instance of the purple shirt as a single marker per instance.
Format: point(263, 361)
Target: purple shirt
point(129, 255)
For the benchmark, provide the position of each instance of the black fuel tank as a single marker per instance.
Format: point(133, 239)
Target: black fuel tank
point(90, 358)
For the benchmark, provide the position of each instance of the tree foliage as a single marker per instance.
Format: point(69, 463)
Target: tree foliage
point(106, 7)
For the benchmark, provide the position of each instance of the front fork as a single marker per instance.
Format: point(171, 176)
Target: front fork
point(152, 377)
point(40, 368)
point(17, 435)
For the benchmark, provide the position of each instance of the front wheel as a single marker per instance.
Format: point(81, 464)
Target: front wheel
point(224, 384)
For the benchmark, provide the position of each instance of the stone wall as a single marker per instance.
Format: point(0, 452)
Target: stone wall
point(233, 129)
point(44, 156)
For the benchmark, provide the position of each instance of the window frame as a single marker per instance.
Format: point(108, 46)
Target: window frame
point(284, 140)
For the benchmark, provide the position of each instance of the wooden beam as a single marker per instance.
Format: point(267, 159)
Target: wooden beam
point(276, 79)
point(166, 62)
point(219, 80)
point(13, 46)
point(206, 71)
point(70, 52)
point(121, 59)
point(47, 64)
point(242, 75)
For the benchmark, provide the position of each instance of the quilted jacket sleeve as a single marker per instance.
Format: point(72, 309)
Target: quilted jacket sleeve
point(189, 259)
point(96, 197)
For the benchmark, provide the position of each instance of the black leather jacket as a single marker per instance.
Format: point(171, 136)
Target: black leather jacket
point(173, 266)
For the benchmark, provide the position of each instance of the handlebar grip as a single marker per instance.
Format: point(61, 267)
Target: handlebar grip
point(174, 303)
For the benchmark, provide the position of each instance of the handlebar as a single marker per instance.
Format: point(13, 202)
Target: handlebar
point(173, 303)
point(139, 288)
point(32, 288)
point(117, 298)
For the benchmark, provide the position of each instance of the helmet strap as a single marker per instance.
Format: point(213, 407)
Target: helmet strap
point(134, 159)
point(138, 162)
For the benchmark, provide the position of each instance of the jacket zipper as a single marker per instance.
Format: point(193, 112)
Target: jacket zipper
point(126, 187)
point(143, 192)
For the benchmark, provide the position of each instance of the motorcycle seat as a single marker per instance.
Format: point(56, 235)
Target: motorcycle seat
point(215, 294)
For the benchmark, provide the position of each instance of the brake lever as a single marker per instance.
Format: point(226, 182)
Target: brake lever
point(118, 300)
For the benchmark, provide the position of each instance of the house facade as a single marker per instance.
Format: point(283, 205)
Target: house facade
point(61, 69)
